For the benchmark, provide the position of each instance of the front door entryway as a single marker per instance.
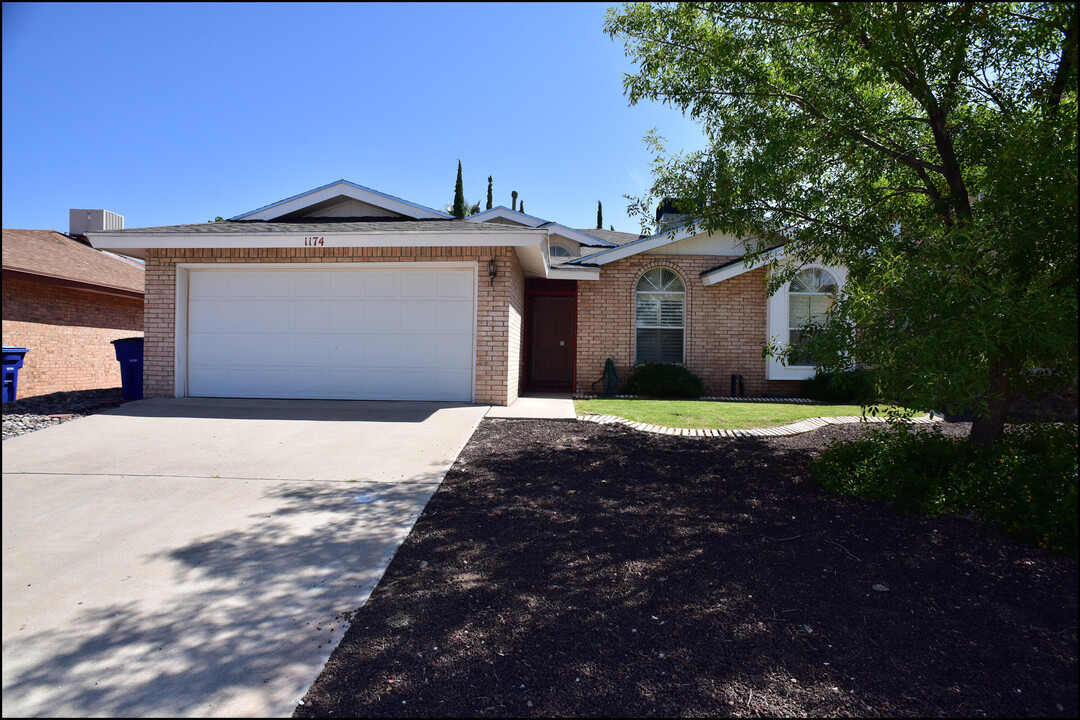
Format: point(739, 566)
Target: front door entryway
point(550, 334)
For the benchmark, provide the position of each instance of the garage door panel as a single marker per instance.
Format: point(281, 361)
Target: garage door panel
point(355, 333)
point(416, 352)
point(344, 384)
point(454, 317)
point(208, 315)
point(419, 316)
point(298, 381)
point(346, 284)
point(454, 285)
point(417, 385)
point(346, 350)
point(267, 316)
point(310, 284)
point(207, 347)
point(241, 284)
point(382, 284)
point(207, 284)
point(454, 351)
point(281, 285)
point(451, 384)
point(417, 285)
point(345, 315)
point(381, 384)
point(311, 315)
point(382, 316)
point(381, 350)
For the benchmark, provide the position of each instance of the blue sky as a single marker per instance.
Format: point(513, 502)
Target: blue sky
point(175, 113)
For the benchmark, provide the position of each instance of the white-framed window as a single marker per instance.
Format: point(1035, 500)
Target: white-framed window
point(660, 304)
point(810, 296)
point(558, 251)
point(807, 297)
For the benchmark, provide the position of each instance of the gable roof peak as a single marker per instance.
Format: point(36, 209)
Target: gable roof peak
point(325, 196)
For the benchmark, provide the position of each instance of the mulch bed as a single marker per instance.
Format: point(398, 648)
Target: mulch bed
point(571, 569)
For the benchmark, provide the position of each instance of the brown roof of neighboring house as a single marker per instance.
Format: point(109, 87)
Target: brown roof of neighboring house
point(51, 255)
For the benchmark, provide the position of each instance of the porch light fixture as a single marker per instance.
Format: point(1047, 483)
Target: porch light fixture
point(492, 271)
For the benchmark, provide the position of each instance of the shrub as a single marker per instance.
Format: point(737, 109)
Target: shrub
point(663, 380)
point(1025, 485)
point(851, 387)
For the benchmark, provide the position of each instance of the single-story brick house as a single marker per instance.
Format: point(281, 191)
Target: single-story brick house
point(65, 302)
point(346, 292)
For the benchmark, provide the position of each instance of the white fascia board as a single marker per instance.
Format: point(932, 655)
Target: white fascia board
point(129, 244)
point(505, 213)
point(739, 268)
point(349, 189)
point(636, 246)
point(564, 273)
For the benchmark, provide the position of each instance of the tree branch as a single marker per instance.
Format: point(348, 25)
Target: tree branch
point(1061, 77)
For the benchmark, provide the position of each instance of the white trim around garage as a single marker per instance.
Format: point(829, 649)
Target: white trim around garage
point(183, 270)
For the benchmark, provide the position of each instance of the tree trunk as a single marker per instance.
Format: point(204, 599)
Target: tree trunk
point(989, 423)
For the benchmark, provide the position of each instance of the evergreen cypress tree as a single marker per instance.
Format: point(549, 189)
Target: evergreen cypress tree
point(513, 200)
point(599, 215)
point(459, 196)
point(489, 203)
point(521, 207)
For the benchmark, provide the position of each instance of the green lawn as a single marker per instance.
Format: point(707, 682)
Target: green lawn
point(712, 414)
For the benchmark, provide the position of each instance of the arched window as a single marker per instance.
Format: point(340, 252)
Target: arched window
point(660, 301)
point(811, 294)
point(558, 251)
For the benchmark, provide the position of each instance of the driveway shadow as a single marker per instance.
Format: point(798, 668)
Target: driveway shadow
point(244, 619)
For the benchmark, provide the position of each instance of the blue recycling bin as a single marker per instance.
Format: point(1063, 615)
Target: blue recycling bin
point(129, 351)
point(13, 360)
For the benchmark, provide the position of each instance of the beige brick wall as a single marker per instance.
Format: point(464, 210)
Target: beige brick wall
point(500, 306)
point(68, 333)
point(725, 324)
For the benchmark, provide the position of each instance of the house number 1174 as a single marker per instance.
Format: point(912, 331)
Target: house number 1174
point(311, 241)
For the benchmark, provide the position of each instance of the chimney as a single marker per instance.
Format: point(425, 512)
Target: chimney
point(81, 222)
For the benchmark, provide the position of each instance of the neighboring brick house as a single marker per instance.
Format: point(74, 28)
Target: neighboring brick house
point(65, 302)
point(345, 292)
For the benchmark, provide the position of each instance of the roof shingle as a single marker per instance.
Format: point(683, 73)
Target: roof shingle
point(52, 254)
point(615, 236)
point(317, 227)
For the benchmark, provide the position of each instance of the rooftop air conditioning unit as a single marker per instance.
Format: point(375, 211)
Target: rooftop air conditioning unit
point(81, 222)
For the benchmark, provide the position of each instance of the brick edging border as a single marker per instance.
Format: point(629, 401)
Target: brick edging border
point(719, 398)
point(794, 429)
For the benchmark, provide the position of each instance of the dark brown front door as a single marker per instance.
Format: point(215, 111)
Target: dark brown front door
point(551, 321)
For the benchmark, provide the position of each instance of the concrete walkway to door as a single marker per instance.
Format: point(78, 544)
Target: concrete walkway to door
point(200, 557)
point(547, 406)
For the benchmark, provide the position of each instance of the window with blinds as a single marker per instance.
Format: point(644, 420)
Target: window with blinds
point(660, 302)
point(811, 294)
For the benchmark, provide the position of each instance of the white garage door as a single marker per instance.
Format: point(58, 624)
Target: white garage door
point(370, 333)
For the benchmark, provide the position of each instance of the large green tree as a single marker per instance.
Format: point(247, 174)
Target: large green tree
point(929, 147)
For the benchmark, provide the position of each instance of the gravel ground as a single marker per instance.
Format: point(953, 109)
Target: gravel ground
point(34, 413)
point(577, 570)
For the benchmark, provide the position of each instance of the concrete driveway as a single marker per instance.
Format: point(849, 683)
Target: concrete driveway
point(199, 557)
